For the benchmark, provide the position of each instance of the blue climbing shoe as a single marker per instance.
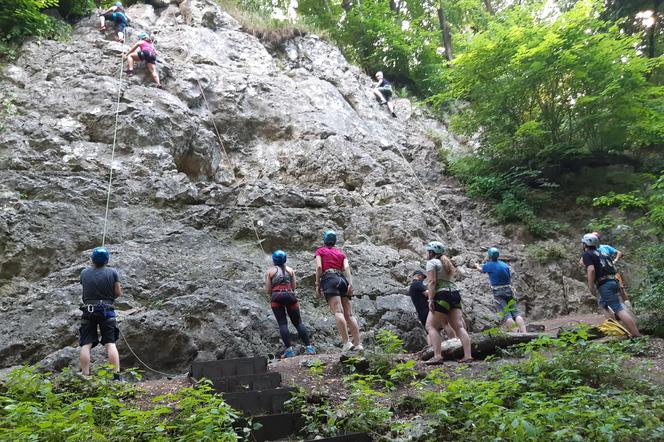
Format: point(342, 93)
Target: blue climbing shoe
point(310, 350)
point(289, 353)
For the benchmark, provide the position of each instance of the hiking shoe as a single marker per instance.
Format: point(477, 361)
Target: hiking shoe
point(289, 353)
point(359, 347)
point(394, 115)
point(310, 350)
point(348, 346)
point(129, 72)
point(383, 103)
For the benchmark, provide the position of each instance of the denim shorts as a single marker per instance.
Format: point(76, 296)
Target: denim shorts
point(608, 296)
point(503, 298)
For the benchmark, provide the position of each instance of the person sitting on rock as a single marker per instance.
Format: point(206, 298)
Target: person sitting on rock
point(117, 14)
point(420, 297)
point(280, 285)
point(444, 303)
point(335, 281)
point(500, 279)
point(101, 287)
point(143, 50)
point(383, 92)
point(601, 276)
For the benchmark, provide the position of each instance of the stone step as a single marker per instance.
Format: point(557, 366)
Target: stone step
point(245, 382)
point(228, 367)
point(277, 426)
point(255, 402)
point(350, 437)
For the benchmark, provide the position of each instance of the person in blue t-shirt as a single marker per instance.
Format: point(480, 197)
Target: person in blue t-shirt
point(500, 278)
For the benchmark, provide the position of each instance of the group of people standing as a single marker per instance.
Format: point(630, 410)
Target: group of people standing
point(141, 50)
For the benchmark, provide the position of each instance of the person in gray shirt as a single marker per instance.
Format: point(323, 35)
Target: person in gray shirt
point(101, 287)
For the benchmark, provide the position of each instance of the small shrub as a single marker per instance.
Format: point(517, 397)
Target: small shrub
point(389, 342)
point(546, 252)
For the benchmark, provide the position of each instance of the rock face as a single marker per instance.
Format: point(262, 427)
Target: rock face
point(304, 147)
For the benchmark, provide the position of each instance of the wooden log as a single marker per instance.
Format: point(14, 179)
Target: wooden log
point(481, 345)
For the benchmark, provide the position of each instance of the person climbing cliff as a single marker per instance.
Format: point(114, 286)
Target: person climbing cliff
point(335, 281)
point(143, 50)
point(280, 285)
point(603, 284)
point(444, 302)
point(101, 287)
point(500, 278)
point(383, 92)
point(116, 14)
point(614, 255)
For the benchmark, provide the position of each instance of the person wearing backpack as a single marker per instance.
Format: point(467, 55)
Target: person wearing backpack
point(143, 50)
point(280, 284)
point(602, 283)
point(116, 14)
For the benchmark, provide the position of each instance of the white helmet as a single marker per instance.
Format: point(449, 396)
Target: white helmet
point(436, 247)
point(590, 240)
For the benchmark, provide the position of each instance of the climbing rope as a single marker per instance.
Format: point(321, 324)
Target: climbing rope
point(221, 143)
point(168, 375)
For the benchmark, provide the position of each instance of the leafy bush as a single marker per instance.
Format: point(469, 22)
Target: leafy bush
point(389, 342)
point(546, 252)
point(36, 406)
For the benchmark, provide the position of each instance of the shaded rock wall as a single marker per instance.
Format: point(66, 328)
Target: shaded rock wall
point(308, 149)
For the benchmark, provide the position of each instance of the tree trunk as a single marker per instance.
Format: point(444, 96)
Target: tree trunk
point(489, 7)
point(652, 34)
point(445, 30)
point(482, 345)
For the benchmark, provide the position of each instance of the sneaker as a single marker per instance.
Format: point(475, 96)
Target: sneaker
point(129, 71)
point(359, 347)
point(347, 347)
point(289, 353)
point(394, 115)
point(310, 350)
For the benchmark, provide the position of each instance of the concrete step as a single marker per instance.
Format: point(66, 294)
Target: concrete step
point(350, 437)
point(245, 382)
point(228, 367)
point(277, 426)
point(255, 402)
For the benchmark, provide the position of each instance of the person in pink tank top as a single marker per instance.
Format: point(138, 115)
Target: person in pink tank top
point(143, 50)
point(335, 281)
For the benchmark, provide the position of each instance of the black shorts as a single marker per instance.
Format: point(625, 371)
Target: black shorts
point(107, 328)
point(421, 304)
point(147, 57)
point(446, 300)
point(333, 284)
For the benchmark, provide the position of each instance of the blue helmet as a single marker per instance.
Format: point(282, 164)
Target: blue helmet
point(329, 237)
point(100, 255)
point(493, 253)
point(279, 257)
point(143, 36)
point(118, 4)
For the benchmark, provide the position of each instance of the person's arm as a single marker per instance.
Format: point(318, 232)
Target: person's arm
point(618, 256)
point(292, 276)
point(349, 277)
point(590, 273)
point(268, 283)
point(133, 47)
point(117, 289)
point(581, 262)
point(431, 277)
point(479, 268)
point(319, 273)
point(449, 267)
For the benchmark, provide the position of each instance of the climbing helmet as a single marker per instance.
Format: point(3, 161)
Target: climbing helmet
point(436, 247)
point(279, 257)
point(329, 237)
point(493, 253)
point(590, 240)
point(100, 255)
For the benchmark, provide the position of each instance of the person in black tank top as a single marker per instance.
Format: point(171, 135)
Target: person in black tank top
point(383, 92)
point(280, 285)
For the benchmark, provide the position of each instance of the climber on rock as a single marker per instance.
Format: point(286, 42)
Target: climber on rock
point(101, 287)
point(335, 281)
point(280, 285)
point(614, 255)
point(444, 303)
point(143, 50)
point(116, 14)
point(420, 296)
point(602, 283)
point(500, 278)
point(383, 92)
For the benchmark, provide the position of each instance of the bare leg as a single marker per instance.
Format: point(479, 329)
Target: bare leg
point(522, 324)
point(84, 359)
point(379, 95)
point(608, 313)
point(390, 106)
point(433, 329)
point(630, 324)
point(351, 320)
point(153, 71)
point(456, 320)
point(449, 331)
point(337, 310)
point(509, 324)
point(121, 36)
point(130, 60)
point(113, 357)
point(102, 21)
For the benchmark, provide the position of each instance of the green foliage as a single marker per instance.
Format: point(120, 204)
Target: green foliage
point(389, 342)
point(650, 296)
point(66, 406)
point(546, 252)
